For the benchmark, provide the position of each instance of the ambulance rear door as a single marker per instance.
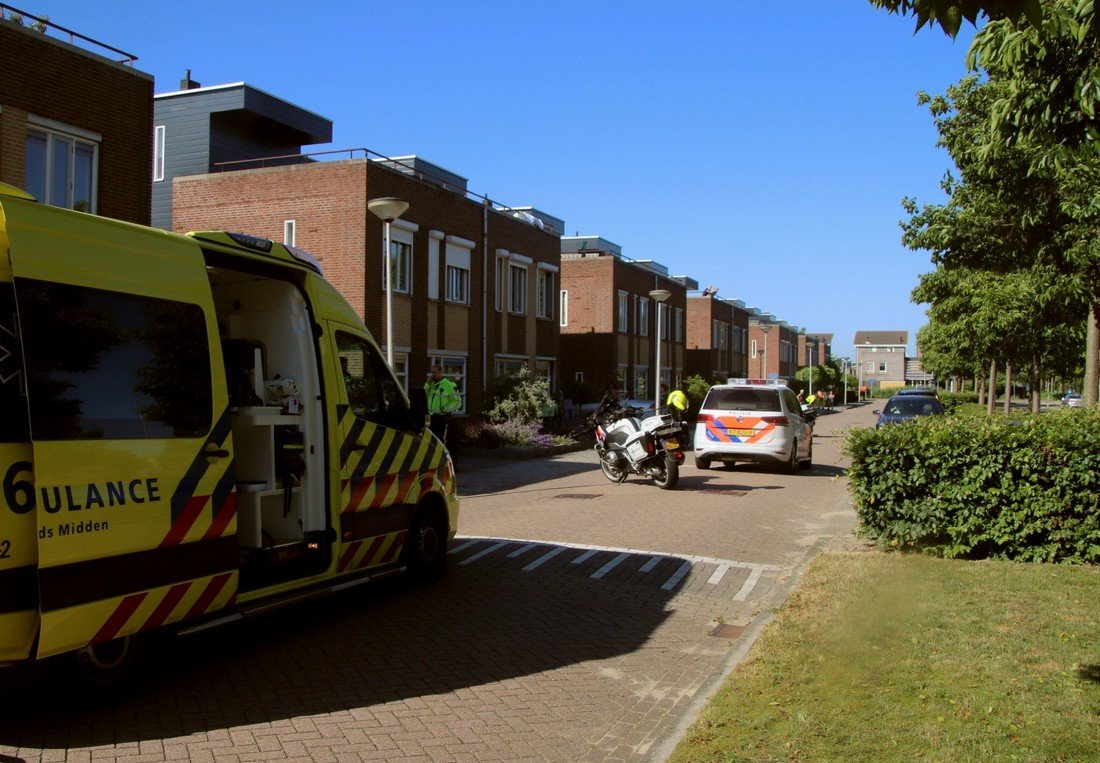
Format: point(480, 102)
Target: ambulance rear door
point(133, 468)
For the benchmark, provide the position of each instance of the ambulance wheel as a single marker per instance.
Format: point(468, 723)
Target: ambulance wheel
point(110, 663)
point(426, 549)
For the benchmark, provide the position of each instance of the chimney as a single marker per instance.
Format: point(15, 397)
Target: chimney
point(187, 83)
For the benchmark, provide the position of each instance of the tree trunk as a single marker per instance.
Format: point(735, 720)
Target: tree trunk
point(992, 401)
point(979, 386)
point(1008, 387)
point(1092, 354)
point(1036, 383)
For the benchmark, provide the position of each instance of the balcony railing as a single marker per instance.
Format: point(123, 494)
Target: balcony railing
point(12, 15)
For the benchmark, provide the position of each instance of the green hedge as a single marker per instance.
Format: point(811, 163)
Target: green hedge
point(1024, 488)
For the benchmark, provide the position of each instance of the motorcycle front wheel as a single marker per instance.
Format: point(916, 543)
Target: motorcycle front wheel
point(612, 473)
point(669, 475)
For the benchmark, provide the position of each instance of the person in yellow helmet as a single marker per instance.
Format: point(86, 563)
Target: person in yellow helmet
point(677, 404)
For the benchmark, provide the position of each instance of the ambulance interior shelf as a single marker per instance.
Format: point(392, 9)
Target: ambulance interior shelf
point(268, 457)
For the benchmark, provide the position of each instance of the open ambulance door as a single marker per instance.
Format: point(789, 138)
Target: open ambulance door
point(133, 467)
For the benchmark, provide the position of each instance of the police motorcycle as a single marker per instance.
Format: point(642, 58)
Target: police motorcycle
point(629, 444)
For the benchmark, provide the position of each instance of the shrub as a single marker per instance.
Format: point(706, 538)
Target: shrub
point(1026, 489)
point(520, 397)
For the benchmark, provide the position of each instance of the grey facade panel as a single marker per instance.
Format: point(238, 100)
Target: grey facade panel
point(224, 124)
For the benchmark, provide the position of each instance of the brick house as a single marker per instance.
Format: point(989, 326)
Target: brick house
point(475, 285)
point(75, 123)
point(814, 349)
point(880, 358)
point(717, 337)
point(609, 320)
point(773, 347)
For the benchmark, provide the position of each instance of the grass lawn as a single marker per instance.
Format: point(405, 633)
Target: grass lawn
point(889, 657)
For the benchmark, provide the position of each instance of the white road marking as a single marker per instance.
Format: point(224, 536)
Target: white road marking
point(608, 567)
point(484, 552)
point(718, 574)
point(747, 586)
point(544, 558)
point(522, 549)
point(585, 556)
point(688, 561)
point(677, 576)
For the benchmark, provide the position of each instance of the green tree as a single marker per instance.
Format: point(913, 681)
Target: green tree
point(1042, 107)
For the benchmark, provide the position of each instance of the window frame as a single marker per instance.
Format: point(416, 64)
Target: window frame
point(54, 132)
point(159, 152)
point(544, 293)
point(517, 297)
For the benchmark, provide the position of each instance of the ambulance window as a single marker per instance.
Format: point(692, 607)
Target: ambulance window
point(13, 401)
point(106, 365)
point(372, 391)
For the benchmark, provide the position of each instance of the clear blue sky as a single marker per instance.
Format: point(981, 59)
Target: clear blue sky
point(763, 148)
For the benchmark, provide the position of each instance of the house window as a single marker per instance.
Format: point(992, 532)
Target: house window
point(752, 349)
point(544, 369)
point(624, 311)
point(578, 376)
point(678, 330)
point(620, 376)
point(401, 369)
point(401, 265)
point(510, 366)
point(517, 293)
point(666, 321)
point(641, 382)
point(62, 169)
point(458, 284)
point(458, 269)
point(563, 307)
point(498, 282)
point(544, 305)
point(870, 366)
point(454, 368)
point(158, 154)
point(289, 228)
point(882, 368)
point(643, 317)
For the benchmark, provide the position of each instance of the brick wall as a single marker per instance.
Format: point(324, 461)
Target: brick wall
point(328, 201)
point(49, 78)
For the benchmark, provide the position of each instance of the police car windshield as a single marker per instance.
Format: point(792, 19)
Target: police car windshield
point(743, 399)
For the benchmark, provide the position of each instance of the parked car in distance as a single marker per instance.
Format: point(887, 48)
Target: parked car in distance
point(901, 408)
point(1073, 400)
point(927, 391)
point(753, 420)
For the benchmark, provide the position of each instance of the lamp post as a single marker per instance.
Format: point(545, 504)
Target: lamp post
point(659, 296)
point(810, 353)
point(764, 329)
point(387, 210)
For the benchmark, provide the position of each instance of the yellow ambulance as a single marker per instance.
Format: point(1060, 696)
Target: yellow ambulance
point(192, 429)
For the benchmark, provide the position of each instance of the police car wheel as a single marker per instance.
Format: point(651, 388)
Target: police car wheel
point(426, 551)
point(108, 663)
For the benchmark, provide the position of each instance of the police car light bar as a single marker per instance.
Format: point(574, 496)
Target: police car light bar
point(769, 382)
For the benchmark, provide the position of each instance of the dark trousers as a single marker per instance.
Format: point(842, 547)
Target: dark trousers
point(438, 426)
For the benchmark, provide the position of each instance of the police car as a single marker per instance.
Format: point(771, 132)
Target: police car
point(754, 420)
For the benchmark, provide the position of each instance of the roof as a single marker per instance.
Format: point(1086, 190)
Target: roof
point(881, 338)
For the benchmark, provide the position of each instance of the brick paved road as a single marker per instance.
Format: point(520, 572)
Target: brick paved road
point(573, 625)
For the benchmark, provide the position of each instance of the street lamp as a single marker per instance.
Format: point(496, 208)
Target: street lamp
point(659, 296)
point(764, 329)
point(810, 353)
point(387, 210)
